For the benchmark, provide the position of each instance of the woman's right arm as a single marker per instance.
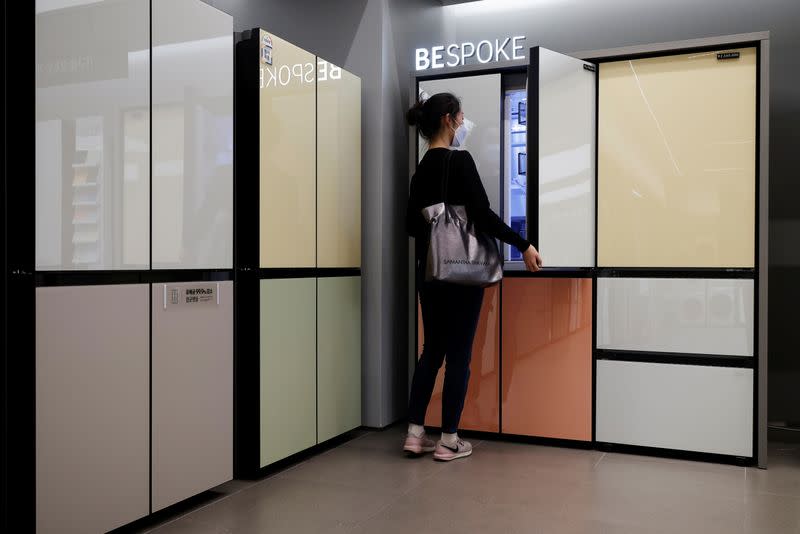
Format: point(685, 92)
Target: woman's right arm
point(487, 220)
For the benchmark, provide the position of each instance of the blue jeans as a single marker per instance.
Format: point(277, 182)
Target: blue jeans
point(450, 316)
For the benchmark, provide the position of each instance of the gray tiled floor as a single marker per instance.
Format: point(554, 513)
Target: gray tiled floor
point(367, 486)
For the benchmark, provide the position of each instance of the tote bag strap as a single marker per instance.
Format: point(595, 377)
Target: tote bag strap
point(446, 178)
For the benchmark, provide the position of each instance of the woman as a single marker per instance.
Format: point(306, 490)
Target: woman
point(449, 312)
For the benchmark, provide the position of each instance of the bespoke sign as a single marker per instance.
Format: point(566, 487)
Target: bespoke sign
point(282, 76)
point(456, 55)
point(275, 74)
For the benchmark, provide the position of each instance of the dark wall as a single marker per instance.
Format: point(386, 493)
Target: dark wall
point(573, 25)
point(324, 28)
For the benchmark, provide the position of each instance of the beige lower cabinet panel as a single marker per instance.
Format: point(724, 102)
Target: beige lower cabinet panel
point(92, 407)
point(287, 168)
point(192, 389)
point(676, 161)
point(339, 356)
point(288, 368)
point(338, 167)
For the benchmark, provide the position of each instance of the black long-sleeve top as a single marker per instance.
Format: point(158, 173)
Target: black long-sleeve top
point(464, 188)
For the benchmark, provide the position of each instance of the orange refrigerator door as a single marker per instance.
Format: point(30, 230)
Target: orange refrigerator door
point(547, 358)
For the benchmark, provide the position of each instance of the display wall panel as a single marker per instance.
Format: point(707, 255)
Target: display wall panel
point(547, 357)
point(92, 188)
point(697, 316)
point(482, 405)
point(287, 154)
point(566, 167)
point(288, 367)
point(676, 161)
point(480, 101)
point(339, 356)
point(192, 389)
point(338, 167)
point(92, 407)
point(192, 136)
point(683, 407)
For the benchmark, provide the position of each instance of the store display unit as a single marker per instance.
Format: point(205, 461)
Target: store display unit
point(725, 298)
point(131, 270)
point(298, 252)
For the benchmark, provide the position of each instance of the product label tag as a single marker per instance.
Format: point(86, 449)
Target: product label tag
point(728, 55)
point(191, 295)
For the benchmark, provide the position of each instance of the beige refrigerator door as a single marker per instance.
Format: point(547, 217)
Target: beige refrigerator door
point(287, 174)
point(338, 167)
point(92, 407)
point(192, 389)
point(676, 161)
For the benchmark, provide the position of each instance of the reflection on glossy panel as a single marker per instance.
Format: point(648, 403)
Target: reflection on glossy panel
point(547, 357)
point(92, 190)
point(288, 159)
point(338, 167)
point(192, 136)
point(698, 316)
point(480, 100)
point(566, 113)
point(192, 390)
point(92, 407)
point(676, 161)
point(685, 407)
point(288, 367)
point(481, 408)
point(339, 356)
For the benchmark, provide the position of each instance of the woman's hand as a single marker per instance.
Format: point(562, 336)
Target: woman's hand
point(532, 258)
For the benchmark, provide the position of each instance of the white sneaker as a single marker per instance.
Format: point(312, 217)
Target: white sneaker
point(445, 453)
point(421, 445)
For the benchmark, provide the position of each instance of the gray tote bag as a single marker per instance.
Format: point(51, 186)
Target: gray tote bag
point(457, 253)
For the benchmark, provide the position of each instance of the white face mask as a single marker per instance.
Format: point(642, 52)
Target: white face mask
point(462, 132)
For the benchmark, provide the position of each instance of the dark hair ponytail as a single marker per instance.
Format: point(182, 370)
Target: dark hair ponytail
point(426, 114)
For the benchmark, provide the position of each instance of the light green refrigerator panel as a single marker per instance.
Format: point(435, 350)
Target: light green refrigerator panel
point(288, 368)
point(339, 356)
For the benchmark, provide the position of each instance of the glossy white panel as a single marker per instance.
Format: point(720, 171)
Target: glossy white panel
point(567, 118)
point(192, 136)
point(48, 206)
point(684, 407)
point(480, 100)
point(92, 189)
point(699, 316)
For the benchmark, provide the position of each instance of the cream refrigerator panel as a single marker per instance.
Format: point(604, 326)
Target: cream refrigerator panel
point(695, 316)
point(676, 166)
point(192, 381)
point(566, 145)
point(480, 101)
point(338, 167)
point(684, 407)
point(92, 166)
point(92, 407)
point(192, 136)
point(287, 165)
